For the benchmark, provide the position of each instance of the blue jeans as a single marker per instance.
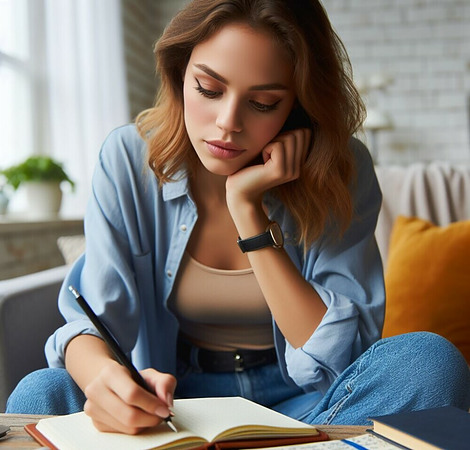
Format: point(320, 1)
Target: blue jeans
point(407, 372)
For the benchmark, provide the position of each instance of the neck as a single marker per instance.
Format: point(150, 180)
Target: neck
point(208, 188)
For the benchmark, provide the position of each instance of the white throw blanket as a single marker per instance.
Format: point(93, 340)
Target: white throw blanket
point(438, 192)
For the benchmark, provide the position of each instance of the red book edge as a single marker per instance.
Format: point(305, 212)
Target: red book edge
point(38, 436)
point(252, 443)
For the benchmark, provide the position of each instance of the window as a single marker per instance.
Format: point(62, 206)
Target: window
point(62, 85)
point(19, 82)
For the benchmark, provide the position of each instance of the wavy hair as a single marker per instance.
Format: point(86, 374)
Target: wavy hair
point(320, 199)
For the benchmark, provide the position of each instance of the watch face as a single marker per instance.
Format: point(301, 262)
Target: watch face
point(276, 234)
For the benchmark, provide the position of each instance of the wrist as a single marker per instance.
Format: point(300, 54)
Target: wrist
point(249, 219)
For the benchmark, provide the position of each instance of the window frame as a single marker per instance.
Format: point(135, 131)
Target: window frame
point(28, 66)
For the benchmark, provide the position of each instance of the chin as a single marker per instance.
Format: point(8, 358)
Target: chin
point(219, 168)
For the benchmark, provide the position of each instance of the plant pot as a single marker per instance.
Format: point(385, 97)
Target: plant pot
point(43, 197)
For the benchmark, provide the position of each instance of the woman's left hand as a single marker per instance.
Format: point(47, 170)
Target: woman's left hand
point(275, 272)
point(282, 161)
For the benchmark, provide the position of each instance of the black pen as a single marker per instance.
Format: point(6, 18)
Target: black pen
point(114, 347)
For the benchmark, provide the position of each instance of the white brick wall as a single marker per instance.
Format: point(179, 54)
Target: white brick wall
point(140, 25)
point(143, 23)
point(425, 46)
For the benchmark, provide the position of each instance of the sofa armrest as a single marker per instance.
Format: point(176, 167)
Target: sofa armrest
point(28, 316)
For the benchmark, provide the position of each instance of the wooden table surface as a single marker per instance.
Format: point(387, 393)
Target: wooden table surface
point(17, 438)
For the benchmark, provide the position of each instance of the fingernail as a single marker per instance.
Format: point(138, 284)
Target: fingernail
point(169, 400)
point(162, 411)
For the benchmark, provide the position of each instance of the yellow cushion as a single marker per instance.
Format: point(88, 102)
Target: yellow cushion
point(427, 280)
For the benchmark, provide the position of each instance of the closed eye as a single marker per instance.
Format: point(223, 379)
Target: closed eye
point(206, 92)
point(262, 107)
point(258, 106)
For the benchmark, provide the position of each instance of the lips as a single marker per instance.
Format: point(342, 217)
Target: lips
point(224, 150)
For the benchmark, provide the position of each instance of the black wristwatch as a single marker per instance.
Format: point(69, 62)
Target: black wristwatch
point(272, 237)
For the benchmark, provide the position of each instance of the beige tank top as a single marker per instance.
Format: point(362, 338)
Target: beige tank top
point(221, 309)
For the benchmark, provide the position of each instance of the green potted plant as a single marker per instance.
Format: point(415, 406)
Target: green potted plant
point(41, 176)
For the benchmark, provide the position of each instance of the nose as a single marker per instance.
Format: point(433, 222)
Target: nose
point(229, 117)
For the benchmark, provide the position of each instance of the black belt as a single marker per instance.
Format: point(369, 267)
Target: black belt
point(224, 361)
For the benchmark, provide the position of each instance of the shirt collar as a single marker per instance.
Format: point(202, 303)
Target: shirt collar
point(178, 188)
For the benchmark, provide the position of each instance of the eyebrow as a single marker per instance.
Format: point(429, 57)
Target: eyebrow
point(259, 87)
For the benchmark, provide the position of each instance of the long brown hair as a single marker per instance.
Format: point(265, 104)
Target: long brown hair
point(326, 100)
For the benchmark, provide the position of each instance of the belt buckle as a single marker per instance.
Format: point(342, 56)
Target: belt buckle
point(238, 362)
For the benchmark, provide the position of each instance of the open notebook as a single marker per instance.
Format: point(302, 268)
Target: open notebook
point(231, 422)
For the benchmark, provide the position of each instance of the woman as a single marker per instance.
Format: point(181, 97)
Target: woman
point(230, 240)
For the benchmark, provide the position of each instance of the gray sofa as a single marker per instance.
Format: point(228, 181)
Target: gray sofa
point(28, 312)
point(28, 315)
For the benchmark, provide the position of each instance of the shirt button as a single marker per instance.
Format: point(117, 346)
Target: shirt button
point(286, 235)
point(183, 227)
point(169, 273)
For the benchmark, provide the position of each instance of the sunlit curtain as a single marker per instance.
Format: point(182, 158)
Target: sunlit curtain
point(87, 94)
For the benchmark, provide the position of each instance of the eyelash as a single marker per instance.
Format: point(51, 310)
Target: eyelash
point(260, 107)
point(206, 92)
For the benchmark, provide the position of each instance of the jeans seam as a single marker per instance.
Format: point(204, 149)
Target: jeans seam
point(336, 409)
point(349, 388)
point(244, 384)
point(349, 385)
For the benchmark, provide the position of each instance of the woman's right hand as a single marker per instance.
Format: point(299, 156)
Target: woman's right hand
point(116, 403)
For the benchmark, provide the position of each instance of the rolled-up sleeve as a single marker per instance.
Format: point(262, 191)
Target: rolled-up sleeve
point(78, 323)
point(348, 275)
point(105, 274)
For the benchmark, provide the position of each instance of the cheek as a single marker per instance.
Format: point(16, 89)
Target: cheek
point(267, 131)
point(267, 127)
point(194, 112)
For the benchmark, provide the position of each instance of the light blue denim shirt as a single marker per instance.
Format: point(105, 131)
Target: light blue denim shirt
point(136, 234)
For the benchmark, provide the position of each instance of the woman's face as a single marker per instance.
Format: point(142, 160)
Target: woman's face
point(238, 92)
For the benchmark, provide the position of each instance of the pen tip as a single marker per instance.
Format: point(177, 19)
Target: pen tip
point(171, 424)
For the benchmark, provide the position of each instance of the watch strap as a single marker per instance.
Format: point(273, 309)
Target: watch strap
point(272, 237)
point(255, 242)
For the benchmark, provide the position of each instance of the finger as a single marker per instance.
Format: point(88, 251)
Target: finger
point(163, 384)
point(105, 421)
point(133, 394)
point(300, 150)
point(291, 147)
point(114, 414)
point(297, 149)
point(267, 150)
point(307, 140)
point(115, 387)
point(276, 160)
